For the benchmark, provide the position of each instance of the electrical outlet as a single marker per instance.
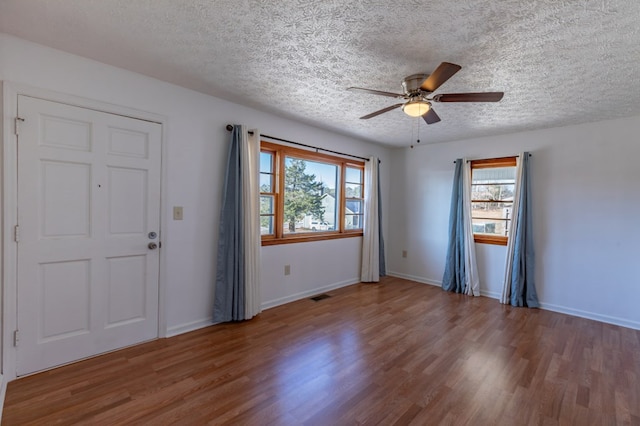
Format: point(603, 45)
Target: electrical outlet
point(287, 269)
point(177, 213)
point(404, 253)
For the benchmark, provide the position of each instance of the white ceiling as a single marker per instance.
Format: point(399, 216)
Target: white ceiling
point(558, 62)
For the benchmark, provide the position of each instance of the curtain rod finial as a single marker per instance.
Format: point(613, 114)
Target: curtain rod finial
point(229, 127)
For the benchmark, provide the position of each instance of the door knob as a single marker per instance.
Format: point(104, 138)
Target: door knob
point(152, 246)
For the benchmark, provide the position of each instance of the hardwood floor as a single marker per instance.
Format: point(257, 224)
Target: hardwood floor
point(397, 352)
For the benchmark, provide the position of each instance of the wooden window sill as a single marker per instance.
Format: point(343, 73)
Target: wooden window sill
point(307, 238)
point(490, 239)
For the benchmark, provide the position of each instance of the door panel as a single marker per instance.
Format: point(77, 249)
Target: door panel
point(127, 195)
point(128, 143)
point(64, 287)
point(65, 133)
point(88, 196)
point(126, 289)
point(66, 213)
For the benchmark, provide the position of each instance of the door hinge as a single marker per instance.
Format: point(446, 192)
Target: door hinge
point(16, 337)
point(17, 124)
point(16, 233)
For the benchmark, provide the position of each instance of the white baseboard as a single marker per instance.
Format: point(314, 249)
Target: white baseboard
point(415, 278)
point(291, 298)
point(546, 306)
point(195, 325)
point(623, 322)
point(490, 294)
point(191, 326)
point(206, 322)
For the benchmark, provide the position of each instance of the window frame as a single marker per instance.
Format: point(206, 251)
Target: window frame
point(280, 152)
point(490, 163)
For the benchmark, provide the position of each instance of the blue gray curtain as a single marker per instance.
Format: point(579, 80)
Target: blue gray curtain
point(229, 299)
point(454, 272)
point(523, 290)
point(383, 266)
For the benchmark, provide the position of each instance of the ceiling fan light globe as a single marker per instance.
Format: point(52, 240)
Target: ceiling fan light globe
point(416, 108)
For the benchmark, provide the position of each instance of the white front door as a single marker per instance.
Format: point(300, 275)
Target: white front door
point(88, 205)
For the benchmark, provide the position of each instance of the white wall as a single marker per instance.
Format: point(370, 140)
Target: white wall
point(586, 198)
point(197, 149)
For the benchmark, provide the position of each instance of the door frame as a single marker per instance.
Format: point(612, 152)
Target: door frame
point(9, 249)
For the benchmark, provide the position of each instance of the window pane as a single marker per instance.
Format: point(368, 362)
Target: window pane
point(494, 174)
point(353, 190)
point(491, 218)
point(497, 191)
point(491, 226)
point(265, 183)
point(266, 162)
point(491, 210)
point(266, 225)
point(353, 221)
point(266, 204)
point(309, 196)
point(353, 175)
point(353, 206)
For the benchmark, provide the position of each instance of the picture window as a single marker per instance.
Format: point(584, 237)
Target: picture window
point(307, 196)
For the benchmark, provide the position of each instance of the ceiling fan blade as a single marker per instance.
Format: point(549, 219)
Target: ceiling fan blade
point(382, 111)
point(376, 92)
point(469, 97)
point(443, 73)
point(431, 117)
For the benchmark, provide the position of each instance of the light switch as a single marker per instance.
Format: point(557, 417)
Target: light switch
point(177, 213)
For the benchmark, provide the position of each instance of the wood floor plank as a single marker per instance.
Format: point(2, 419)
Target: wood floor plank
point(397, 352)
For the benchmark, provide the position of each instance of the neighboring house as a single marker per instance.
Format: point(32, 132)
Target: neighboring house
point(328, 220)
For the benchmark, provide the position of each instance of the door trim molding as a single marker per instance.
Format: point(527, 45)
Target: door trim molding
point(10, 92)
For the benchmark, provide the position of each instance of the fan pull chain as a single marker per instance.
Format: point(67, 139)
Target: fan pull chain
point(412, 128)
point(412, 132)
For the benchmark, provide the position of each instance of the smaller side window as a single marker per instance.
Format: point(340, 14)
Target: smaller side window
point(354, 198)
point(492, 191)
point(267, 192)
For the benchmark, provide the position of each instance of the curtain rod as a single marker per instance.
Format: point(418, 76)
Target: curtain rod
point(497, 158)
point(230, 128)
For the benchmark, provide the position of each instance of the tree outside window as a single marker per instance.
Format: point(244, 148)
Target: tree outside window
point(309, 195)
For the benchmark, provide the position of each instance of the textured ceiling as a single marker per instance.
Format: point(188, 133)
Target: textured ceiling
point(558, 62)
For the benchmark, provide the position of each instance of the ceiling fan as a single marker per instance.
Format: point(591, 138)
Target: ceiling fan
point(418, 89)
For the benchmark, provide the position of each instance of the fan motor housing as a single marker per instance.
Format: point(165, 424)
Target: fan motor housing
point(411, 85)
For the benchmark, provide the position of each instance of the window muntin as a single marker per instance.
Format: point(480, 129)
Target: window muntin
point(492, 191)
point(307, 199)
